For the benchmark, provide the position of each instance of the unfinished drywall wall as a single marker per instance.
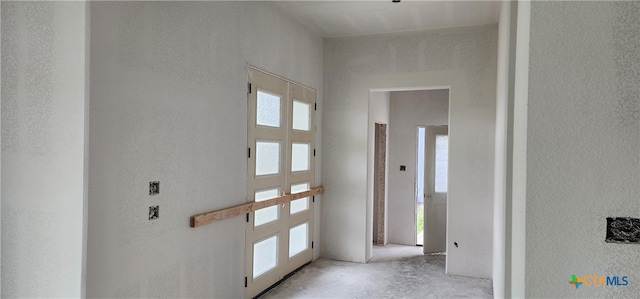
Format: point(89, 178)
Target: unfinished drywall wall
point(43, 148)
point(463, 59)
point(583, 141)
point(410, 109)
point(0, 153)
point(168, 90)
point(378, 113)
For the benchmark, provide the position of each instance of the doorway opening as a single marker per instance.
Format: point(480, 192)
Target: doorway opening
point(409, 114)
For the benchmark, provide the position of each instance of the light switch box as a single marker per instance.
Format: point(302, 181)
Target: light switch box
point(154, 212)
point(154, 188)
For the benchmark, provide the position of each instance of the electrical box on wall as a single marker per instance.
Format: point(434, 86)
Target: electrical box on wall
point(623, 230)
point(154, 188)
point(154, 212)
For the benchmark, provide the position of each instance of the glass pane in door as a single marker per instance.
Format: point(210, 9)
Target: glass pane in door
point(442, 163)
point(267, 158)
point(301, 116)
point(269, 214)
point(301, 204)
point(268, 109)
point(298, 239)
point(300, 156)
point(265, 255)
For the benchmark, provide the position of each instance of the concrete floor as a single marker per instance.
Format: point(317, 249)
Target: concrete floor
point(395, 271)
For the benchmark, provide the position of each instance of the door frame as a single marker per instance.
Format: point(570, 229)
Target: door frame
point(379, 181)
point(285, 134)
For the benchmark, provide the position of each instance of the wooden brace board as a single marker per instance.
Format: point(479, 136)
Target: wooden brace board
point(209, 217)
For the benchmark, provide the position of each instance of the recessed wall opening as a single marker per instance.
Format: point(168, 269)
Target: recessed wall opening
point(415, 207)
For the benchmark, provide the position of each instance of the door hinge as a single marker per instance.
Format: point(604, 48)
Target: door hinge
point(311, 244)
point(248, 152)
point(313, 198)
point(249, 87)
point(247, 217)
point(315, 106)
point(314, 152)
point(245, 281)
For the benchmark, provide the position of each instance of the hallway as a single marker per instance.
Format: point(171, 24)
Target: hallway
point(395, 271)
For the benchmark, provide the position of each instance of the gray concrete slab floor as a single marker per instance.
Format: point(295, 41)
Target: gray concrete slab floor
point(395, 271)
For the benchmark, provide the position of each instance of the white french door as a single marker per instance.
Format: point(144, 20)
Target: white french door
point(281, 150)
point(436, 189)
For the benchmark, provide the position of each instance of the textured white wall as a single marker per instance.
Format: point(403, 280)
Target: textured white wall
point(43, 148)
point(410, 109)
point(0, 155)
point(168, 92)
point(463, 59)
point(583, 157)
point(378, 113)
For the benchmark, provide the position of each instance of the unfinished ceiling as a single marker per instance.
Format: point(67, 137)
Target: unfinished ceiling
point(351, 18)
